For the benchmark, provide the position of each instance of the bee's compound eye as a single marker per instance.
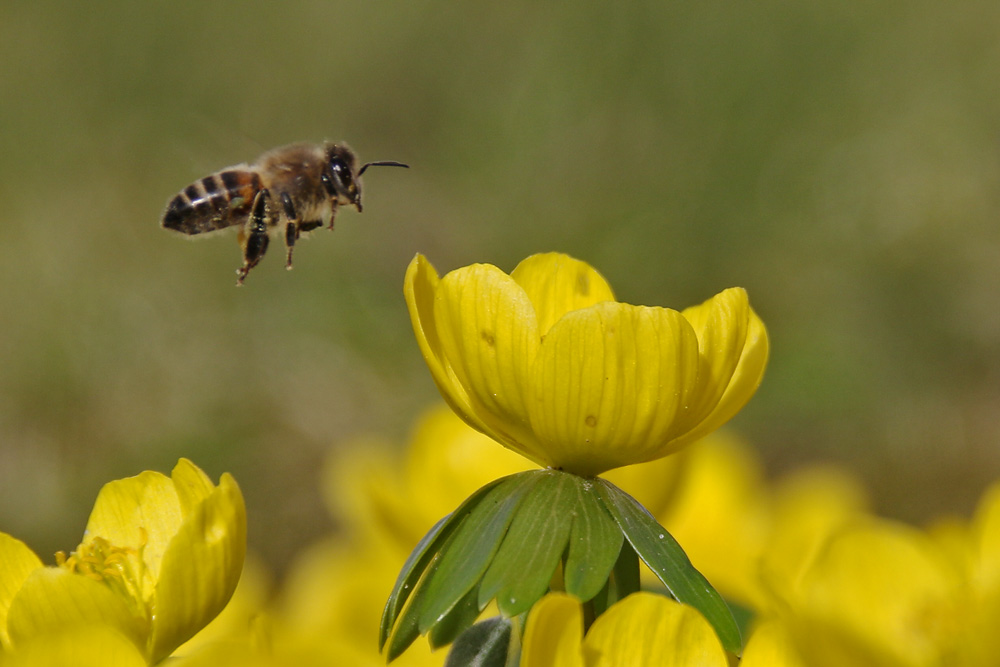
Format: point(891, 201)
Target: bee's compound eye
point(341, 175)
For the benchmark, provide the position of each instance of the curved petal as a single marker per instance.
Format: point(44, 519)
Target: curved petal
point(650, 629)
point(419, 288)
point(201, 568)
point(557, 283)
point(54, 600)
point(18, 562)
point(743, 380)
point(81, 647)
point(489, 336)
point(721, 326)
point(140, 513)
point(192, 485)
point(554, 633)
point(610, 385)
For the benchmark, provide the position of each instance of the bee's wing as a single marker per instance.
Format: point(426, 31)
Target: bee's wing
point(215, 202)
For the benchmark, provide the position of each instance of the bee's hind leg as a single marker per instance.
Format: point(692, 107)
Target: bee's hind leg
point(253, 236)
point(292, 226)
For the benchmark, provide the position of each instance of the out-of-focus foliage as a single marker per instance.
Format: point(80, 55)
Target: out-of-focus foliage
point(837, 160)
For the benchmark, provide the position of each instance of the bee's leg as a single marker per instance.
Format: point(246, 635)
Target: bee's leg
point(291, 226)
point(333, 213)
point(332, 191)
point(253, 236)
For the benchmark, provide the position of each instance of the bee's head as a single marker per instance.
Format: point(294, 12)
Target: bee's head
point(340, 175)
point(342, 178)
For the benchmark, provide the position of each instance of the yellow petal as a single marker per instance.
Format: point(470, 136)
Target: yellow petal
point(201, 568)
point(721, 324)
point(611, 384)
point(554, 633)
point(650, 629)
point(879, 594)
point(53, 600)
point(557, 283)
point(244, 618)
point(981, 558)
point(191, 484)
point(770, 646)
point(419, 288)
point(141, 513)
point(742, 384)
point(986, 549)
point(808, 507)
point(18, 562)
point(489, 336)
point(82, 647)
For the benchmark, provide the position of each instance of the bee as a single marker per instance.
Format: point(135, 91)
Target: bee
point(289, 191)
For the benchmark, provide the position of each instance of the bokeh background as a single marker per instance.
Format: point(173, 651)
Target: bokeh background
point(839, 160)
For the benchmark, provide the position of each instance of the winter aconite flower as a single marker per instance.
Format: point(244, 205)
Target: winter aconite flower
point(160, 558)
point(547, 363)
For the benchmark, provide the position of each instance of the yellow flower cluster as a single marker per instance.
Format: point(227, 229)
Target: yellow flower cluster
point(827, 582)
point(544, 362)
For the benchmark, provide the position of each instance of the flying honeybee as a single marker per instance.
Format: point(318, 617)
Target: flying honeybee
point(288, 191)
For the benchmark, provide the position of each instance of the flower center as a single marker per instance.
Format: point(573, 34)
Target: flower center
point(120, 568)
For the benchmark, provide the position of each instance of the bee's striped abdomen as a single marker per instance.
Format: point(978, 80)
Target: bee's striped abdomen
point(215, 202)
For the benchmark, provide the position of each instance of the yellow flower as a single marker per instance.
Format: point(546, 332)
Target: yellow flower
point(331, 602)
point(380, 494)
point(770, 646)
point(642, 629)
point(546, 362)
point(878, 593)
point(160, 558)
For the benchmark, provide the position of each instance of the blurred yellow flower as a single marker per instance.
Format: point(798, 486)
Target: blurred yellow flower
point(720, 512)
point(642, 629)
point(546, 362)
point(383, 495)
point(160, 558)
point(770, 645)
point(743, 533)
point(332, 601)
point(878, 593)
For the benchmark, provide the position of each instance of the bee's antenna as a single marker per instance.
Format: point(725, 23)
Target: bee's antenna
point(384, 163)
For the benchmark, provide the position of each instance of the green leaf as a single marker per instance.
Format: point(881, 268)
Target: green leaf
point(485, 644)
point(669, 563)
point(626, 573)
point(624, 579)
point(407, 629)
point(468, 553)
point(594, 544)
point(421, 556)
point(461, 616)
point(529, 554)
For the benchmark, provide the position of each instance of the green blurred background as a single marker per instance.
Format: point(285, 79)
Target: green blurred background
point(839, 160)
